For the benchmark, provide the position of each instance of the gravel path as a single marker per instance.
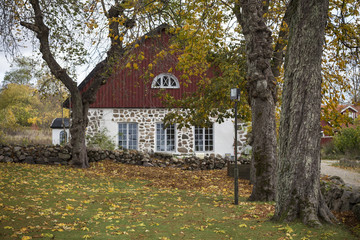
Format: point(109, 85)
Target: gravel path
point(350, 177)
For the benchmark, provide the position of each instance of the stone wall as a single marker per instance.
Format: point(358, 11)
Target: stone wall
point(341, 197)
point(40, 154)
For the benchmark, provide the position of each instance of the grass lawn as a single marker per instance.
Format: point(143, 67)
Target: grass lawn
point(116, 201)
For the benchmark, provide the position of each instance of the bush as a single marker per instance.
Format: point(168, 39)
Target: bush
point(328, 151)
point(348, 141)
point(100, 140)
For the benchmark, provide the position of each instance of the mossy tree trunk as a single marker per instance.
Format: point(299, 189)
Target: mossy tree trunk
point(298, 180)
point(262, 96)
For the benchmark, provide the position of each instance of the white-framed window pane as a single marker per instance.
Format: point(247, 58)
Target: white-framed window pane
point(165, 80)
point(133, 136)
point(63, 137)
point(199, 143)
point(128, 135)
point(173, 82)
point(204, 139)
point(170, 138)
point(165, 138)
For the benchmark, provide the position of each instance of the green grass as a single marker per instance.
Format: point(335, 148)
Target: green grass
point(49, 202)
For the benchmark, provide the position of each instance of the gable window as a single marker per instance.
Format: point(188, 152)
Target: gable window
point(128, 135)
point(165, 80)
point(165, 138)
point(204, 139)
point(63, 137)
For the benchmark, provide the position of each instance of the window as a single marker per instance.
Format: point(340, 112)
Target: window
point(204, 139)
point(165, 138)
point(63, 137)
point(352, 115)
point(128, 135)
point(165, 80)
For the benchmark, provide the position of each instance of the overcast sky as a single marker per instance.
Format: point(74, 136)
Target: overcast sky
point(4, 66)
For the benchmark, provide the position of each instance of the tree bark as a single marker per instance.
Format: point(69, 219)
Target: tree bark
point(298, 172)
point(262, 96)
point(79, 122)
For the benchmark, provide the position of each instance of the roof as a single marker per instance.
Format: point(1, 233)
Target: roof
point(88, 78)
point(349, 107)
point(58, 123)
point(130, 86)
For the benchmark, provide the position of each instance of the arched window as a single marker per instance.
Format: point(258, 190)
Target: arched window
point(165, 80)
point(63, 137)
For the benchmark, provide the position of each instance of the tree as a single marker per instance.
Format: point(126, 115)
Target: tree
point(298, 183)
point(262, 96)
point(24, 71)
point(61, 29)
point(265, 28)
point(15, 105)
point(22, 106)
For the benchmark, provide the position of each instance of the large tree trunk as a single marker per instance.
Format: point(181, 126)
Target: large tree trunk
point(262, 95)
point(79, 122)
point(298, 180)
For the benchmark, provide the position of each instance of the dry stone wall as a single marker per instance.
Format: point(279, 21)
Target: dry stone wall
point(58, 155)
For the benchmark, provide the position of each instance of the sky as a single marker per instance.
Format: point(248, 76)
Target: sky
point(4, 66)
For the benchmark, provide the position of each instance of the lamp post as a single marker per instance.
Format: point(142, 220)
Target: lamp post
point(235, 96)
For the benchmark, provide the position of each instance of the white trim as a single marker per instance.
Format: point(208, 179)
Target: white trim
point(204, 140)
point(160, 78)
point(349, 107)
point(127, 134)
point(175, 139)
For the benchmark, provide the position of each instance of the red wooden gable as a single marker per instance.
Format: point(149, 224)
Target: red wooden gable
point(128, 87)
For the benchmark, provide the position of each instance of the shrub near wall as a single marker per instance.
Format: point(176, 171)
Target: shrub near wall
point(348, 141)
point(58, 155)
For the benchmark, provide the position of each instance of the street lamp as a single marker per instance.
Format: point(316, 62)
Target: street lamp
point(235, 96)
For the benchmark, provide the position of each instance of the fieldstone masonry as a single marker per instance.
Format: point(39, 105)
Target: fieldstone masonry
point(341, 197)
point(58, 155)
point(146, 120)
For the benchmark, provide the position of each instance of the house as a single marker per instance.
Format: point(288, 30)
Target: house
point(129, 107)
point(60, 131)
point(349, 112)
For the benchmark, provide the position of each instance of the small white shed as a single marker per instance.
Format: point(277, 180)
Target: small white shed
point(60, 131)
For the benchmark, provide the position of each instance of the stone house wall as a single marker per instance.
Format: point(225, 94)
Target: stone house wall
point(147, 118)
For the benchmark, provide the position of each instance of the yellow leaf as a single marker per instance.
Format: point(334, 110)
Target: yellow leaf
point(242, 225)
point(135, 66)
point(68, 207)
point(136, 45)
point(26, 238)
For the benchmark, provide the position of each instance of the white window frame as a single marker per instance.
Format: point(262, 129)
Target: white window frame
point(207, 145)
point(162, 145)
point(128, 135)
point(165, 80)
point(63, 137)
